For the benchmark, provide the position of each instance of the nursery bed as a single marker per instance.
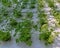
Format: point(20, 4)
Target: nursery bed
point(7, 25)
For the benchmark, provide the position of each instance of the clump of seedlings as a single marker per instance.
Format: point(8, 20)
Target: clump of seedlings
point(40, 5)
point(15, 1)
point(50, 3)
point(46, 35)
point(4, 12)
point(4, 36)
point(23, 6)
point(33, 1)
point(24, 29)
point(32, 6)
point(13, 23)
point(35, 27)
point(29, 14)
point(1, 19)
point(6, 3)
point(17, 13)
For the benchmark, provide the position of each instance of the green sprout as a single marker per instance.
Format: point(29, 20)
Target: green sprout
point(35, 27)
point(13, 22)
point(17, 13)
point(40, 4)
point(23, 6)
point(50, 3)
point(1, 19)
point(4, 36)
point(32, 6)
point(15, 1)
point(6, 3)
point(29, 14)
point(33, 1)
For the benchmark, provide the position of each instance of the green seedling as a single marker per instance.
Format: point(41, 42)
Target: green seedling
point(6, 3)
point(4, 36)
point(17, 13)
point(15, 1)
point(29, 14)
point(32, 6)
point(13, 22)
point(33, 1)
point(23, 6)
point(40, 4)
point(50, 3)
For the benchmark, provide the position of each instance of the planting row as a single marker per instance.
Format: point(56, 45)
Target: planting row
point(23, 3)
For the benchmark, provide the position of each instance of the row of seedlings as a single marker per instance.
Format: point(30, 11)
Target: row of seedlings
point(54, 10)
point(4, 35)
point(32, 4)
point(55, 13)
point(25, 4)
point(45, 33)
point(23, 30)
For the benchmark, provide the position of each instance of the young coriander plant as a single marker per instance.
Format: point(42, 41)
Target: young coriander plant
point(13, 22)
point(29, 14)
point(6, 3)
point(4, 36)
point(40, 5)
point(32, 6)
point(33, 1)
point(50, 3)
point(15, 1)
point(17, 13)
point(23, 6)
